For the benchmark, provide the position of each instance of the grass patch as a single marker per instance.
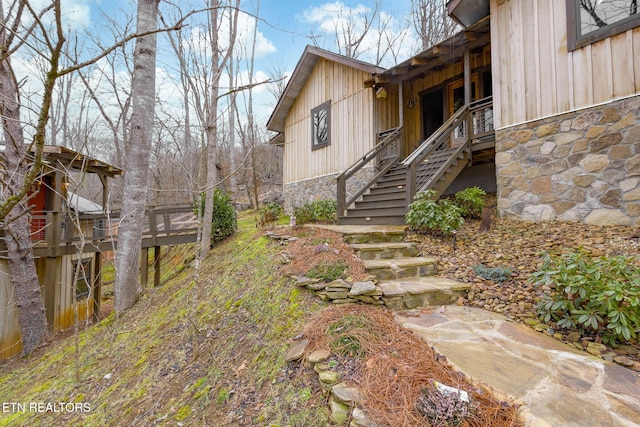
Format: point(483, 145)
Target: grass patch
point(194, 342)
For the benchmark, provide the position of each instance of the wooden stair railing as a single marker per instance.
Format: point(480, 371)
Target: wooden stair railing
point(386, 138)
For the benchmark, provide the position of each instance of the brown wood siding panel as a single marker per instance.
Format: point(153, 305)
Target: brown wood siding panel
point(350, 138)
point(580, 80)
point(9, 326)
point(622, 72)
point(635, 40)
point(601, 67)
point(530, 60)
point(545, 64)
point(558, 47)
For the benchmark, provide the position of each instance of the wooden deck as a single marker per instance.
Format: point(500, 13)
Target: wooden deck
point(164, 226)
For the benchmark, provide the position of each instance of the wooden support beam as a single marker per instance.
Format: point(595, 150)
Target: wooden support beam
point(156, 265)
point(50, 279)
point(144, 267)
point(467, 77)
point(97, 286)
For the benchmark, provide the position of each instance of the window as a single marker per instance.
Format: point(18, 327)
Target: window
point(82, 270)
point(589, 21)
point(321, 126)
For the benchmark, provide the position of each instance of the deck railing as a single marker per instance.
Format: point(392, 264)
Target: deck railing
point(452, 136)
point(99, 232)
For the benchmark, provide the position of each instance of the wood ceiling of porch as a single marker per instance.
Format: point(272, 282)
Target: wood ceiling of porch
point(439, 56)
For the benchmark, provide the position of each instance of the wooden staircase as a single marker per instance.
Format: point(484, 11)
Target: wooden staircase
point(386, 202)
point(435, 164)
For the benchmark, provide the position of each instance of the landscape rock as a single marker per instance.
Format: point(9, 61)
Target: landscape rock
point(363, 288)
point(346, 394)
point(296, 351)
point(339, 411)
point(319, 355)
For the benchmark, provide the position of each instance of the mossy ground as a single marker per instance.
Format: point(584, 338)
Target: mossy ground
point(195, 351)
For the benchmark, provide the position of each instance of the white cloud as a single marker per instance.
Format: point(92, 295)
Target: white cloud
point(333, 23)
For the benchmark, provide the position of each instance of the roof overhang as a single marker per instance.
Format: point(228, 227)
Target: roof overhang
point(468, 12)
point(278, 140)
point(438, 56)
point(72, 160)
point(301, 74)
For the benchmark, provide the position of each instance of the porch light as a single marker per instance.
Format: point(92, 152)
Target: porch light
point(381, 92)
point(412, 102)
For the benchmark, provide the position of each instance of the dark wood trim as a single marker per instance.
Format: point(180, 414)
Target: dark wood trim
point(575, 40)
point(325, 105)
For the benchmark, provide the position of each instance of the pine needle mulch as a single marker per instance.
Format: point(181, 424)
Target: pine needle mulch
point(392, 365)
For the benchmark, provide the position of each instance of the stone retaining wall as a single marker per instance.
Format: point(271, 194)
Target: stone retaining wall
point(579, 166)
point(322, 188)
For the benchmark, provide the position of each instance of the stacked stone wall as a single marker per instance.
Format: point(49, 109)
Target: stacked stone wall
point(322, 188)
point(580, 166)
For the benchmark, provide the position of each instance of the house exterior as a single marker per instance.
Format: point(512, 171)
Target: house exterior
point(325, 123)
point(567, 96)
point(60, 260)
point(537, 100)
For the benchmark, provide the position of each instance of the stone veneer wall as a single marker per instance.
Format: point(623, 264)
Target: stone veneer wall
point(322, 188)
point(579, 166)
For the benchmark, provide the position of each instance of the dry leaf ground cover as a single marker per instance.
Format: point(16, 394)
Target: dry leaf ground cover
point(519, 246)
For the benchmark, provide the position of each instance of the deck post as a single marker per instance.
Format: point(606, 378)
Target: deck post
point(97, 286)
point(50, 279)
point(156, 265)
point(144, 267)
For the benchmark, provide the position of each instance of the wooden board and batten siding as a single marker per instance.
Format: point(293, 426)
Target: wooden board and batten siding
point(537, 76)
point(10, 337)
point(352, 128)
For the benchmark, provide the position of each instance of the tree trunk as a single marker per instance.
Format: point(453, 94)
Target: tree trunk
point(127, 287)
point(33, 323)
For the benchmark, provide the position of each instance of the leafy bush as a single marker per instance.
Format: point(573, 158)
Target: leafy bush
point(591, 294)
point(425, 214)
point(224, 221)
point(269, 214)
point(471, 201)
point(497, 274)
point(319, 210)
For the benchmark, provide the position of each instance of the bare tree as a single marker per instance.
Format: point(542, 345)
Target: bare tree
point(20, 165)
point(431, 21)
point(137, 172)
point(219, 59)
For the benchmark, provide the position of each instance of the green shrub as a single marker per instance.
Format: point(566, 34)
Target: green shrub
point(591, 294)
point(318, 211)
point(224, 221)
point(471, 201)
point(497, 274)
point(425, 214)
point(269, 214)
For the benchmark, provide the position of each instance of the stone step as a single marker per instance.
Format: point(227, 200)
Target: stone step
point(369, 251)
point(403, 294)
point(400, 268)
point(373, 234)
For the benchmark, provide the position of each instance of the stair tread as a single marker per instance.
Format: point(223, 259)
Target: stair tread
point(381, 246)
point(398, 263)
point(419, 285)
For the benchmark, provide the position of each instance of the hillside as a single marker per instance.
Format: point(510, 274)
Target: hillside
point(212, 352)
point(205, 353)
